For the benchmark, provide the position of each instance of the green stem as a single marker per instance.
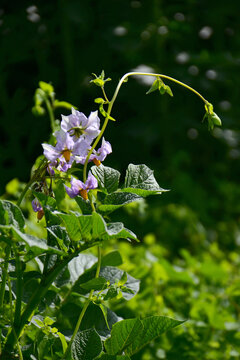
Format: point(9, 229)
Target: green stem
point(3, 286)
point(104, 94)
point(97, 140)
point(19, 290)
point(51, 115)
point(110, 105)
point(84, 308)
point(155, 75)
point(4, 276)
point(46, 281)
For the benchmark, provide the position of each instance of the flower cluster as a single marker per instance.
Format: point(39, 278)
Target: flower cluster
point(73, 143)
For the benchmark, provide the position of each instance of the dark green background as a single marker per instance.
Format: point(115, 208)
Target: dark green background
point(63, 42)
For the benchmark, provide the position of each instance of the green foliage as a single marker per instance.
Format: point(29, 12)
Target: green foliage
point(87, 345)
point(158, 84)
point(131, 335)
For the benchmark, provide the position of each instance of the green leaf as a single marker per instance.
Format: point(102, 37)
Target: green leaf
point(123, 279)
point(122, 335)
point(79, 265)
point(112, 259)
point(94, 317)
point(49, 205)
point(116, 200)
point(158, 84)
point(84, 205)
point(11, 214)
point(114, 276)
point(93, 227)
point(95, 284)
point(168, 90)
point(71, 223)
point(104, 310)
point(154, 86)
point(107, 177)
point(113, 357)
point(118, 231)
point(58, 235)
point(111, 293)
point(63, 104)
point(63, 341)
point(141, 177)
point(34, 245)
point(87, 345)
point(153, 327)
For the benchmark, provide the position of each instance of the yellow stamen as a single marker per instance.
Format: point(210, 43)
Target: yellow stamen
point(66, 154)
point(84, 194)
point(96, 162)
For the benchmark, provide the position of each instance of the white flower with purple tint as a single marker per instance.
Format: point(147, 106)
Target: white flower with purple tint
point(96, 156)
point(59, 164)
point(101, 153)
point(80, 188)
point(66, 149)
point(78, 125)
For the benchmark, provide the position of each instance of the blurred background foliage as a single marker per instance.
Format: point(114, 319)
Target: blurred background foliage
point(191, 234)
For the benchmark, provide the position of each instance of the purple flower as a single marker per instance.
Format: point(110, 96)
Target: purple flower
point(96, 156)
point(59, 164)
point(101, 153)
point(66, 149)
point(78, 125)
point(37, 207)
point(80, 188)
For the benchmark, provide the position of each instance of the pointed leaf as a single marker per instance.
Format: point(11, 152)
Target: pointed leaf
point(34, 245)
point(141, 177)
point(122, 335)
point(11, 214)
point(71, 223)
point(87, 345)
point(94, 317)
point(168, 90)
point(118, 231)
point(116, 200)
point(153, 327)
point(84, 205)
point(107, 177)
point(95, 284)
point(154, 87)
point(112, 259)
